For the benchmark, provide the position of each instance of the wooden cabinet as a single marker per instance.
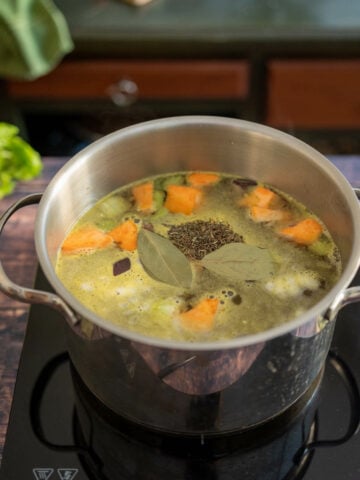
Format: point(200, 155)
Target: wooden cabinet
point(301, 94)
point(314, 94)
point(83, 99)
point(297, 95)
point(132, 80)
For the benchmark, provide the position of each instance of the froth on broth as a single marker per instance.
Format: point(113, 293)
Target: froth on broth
point(198, 256)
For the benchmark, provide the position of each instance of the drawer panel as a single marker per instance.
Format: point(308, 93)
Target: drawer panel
point(314, 94)
point(151, 79)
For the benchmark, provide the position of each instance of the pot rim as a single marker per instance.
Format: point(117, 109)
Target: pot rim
point(314, 312)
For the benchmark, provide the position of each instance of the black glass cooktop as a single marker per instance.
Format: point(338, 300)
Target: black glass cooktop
point(58, 430)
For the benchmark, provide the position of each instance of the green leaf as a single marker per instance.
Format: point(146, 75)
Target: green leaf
point(26, 162)
point(6, 184)
point(240, 261)
point(7, 131)
point(162, 260)
point(18, 160)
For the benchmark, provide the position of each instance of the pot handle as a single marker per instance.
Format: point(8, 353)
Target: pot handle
point(24, 294)
point(350, 295)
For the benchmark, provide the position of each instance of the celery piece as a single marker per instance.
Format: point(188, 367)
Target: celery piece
point(18, 160)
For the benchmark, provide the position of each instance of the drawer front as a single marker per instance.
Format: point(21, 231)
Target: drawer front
point(314, 94)
point(138, 80)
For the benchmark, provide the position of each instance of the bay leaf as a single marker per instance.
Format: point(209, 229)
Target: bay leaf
point(240, 261)
point(162, 260)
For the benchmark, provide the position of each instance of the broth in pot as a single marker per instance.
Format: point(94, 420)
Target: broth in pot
point(198, 256)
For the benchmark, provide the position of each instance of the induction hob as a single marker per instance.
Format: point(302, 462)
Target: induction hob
point(58, 431)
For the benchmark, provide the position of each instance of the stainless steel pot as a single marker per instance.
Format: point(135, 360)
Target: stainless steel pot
point(202, 388)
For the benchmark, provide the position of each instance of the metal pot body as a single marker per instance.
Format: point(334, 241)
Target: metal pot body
point(200, 388)
point(244, 387)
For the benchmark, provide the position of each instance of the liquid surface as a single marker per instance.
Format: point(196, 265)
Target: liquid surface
point(236, 258)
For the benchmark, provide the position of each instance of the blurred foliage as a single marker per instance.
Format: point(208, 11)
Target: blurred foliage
point(18, 160)
point(34, 38)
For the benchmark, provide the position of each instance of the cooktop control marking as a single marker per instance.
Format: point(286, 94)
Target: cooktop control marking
point(67, 473)
point(42, 473)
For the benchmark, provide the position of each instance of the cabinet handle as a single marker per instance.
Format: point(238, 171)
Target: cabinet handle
point(124, 92)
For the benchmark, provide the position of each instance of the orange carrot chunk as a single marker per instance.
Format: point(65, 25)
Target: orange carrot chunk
point(259, 196)
point(143, 195)
point(182, 199)
point(86, 238)
point(201, 317)
point(304, 232)
point(262, 214)
point(202, 179)
point(125, 235)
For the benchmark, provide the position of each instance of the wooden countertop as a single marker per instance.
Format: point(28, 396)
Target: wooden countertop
point(17, 251)
point(19, 260)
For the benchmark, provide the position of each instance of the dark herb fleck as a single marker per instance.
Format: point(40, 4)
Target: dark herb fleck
point(187, 296)
point(244, 182)
point(148, 226)
point(121, 266)
point(197, 239)
point(237, 299)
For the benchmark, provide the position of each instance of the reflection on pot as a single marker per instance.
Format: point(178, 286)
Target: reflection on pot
point(312, 328)
point(199, 374)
